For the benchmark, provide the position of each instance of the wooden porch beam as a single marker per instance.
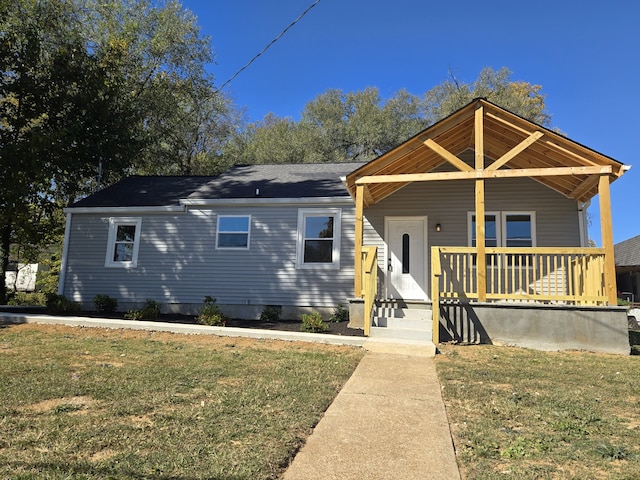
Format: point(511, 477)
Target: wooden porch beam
point(607, 239)
point(481, 259)
point(515, 151)
point(584, 187)
point(448, 156)
point(484, 174)
point(357, 276)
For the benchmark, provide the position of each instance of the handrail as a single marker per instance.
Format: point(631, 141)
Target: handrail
point(521, 274)
point(369, 284)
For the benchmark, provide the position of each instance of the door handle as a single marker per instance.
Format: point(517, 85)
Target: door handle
point(389, 267)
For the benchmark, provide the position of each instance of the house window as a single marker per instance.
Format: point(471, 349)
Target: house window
point(506, 229)
point(123, 242)
point(518, 229)
point(233, 231)
point(491, 230)
point(319, 238)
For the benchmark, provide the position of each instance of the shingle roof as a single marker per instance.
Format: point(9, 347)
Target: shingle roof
point(627, 253)
point(273, 181)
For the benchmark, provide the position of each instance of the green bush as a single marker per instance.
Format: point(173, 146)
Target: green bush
point(105, 304)
point(150, 311)
point(340, 314)
point(61, 305)
point(27, 299)
point(211, 314)
point(312, 322)
point(270, 313)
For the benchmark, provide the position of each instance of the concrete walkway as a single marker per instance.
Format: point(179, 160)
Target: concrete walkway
point(388, 422)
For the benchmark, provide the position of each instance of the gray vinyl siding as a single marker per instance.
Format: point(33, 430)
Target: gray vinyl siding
point(178, 261)
point(448, 202)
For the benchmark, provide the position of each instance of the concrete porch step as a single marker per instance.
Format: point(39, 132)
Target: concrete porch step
point(414, 348)
point(401, 333)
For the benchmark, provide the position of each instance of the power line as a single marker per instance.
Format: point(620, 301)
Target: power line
point(269, 45)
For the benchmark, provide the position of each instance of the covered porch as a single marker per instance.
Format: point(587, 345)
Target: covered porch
point(483, 143)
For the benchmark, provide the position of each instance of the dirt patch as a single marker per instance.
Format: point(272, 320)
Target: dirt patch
point(166, 337)
point(53, 403)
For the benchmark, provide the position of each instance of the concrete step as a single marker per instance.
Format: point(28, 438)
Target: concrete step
point(401, 333)
point(412, 324)
point(414, 348)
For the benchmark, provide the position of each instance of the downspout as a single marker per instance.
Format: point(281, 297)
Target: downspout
point(65, 252)
point(583, 223)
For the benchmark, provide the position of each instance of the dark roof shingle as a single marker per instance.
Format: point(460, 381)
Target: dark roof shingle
point(272, 181)
point(627, 252)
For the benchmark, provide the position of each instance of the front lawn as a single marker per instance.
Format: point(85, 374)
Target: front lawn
point(526, 414)
point(90, 403)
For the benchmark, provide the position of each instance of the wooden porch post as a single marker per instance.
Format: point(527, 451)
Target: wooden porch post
point(481, 261)
point(606, 229)
point(357, 281)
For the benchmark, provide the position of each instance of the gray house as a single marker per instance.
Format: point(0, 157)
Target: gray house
point(627, 255)
point(398, 236)
point(256, 235)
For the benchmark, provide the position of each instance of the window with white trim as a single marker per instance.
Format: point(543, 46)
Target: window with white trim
point(233, 232)
point(319, 237)
point(505, 229)
point(123, 242)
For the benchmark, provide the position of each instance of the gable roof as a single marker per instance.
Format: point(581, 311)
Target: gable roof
point(301, 180)
point(513, 141)
point(627, 253)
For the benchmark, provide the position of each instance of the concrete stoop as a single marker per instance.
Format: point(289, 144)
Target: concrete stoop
point(402, 322)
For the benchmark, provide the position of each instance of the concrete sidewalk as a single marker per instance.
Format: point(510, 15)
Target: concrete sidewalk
point(388, 422)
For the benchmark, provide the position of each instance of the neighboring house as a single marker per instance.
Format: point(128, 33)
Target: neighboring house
point(627, 254)
point(290, 235)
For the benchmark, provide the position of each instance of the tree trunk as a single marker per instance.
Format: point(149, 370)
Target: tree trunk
point(5, 244)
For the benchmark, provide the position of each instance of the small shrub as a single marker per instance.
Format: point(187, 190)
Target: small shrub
point(61, 305)
point(211, 314)
point(105, 304)
point(27, 299)
point(150, 311)
point(340, 314)
point(270, 313)
point(312, 322)
point(133, 315)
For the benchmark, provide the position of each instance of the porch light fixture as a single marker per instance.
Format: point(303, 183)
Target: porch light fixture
point(438, 227)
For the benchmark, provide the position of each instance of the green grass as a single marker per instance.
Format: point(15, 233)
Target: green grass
point(89, 403)
point(525, 414)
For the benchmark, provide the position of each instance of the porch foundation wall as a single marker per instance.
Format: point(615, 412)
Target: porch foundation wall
point(542, 327)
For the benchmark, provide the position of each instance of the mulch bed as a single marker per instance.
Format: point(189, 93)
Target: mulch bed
point(335, 328)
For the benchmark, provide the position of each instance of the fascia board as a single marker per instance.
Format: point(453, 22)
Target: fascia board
point(201, 202)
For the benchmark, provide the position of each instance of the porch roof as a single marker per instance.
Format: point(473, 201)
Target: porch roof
point(512, 145)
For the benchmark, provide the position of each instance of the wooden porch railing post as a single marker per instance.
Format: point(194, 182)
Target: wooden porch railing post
point(357, 281)
point(607, 239)
point(481, 260)
point(435, 294)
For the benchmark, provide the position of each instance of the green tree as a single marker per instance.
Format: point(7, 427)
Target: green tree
point(359, 126)
point(91, 91)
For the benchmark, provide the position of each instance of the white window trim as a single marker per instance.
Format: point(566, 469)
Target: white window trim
point(501, 223)
point(532, 216)
point(303, 213)
point(248, 232)
point(470, 216)
point(114, 222)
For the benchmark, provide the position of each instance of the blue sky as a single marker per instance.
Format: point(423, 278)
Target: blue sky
point(586, 56)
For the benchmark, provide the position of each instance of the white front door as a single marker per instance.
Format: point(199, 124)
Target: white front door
point(406, 257)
